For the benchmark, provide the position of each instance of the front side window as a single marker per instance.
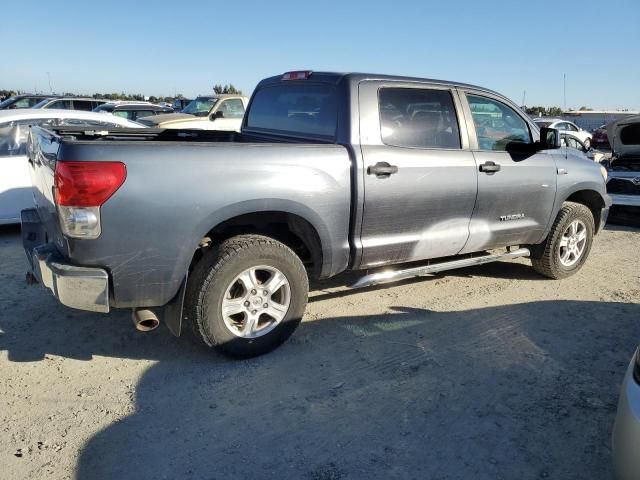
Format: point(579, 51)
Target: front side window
point(122, 113)
point(418, 118)
point(295, 109)
point(140, 114)
point(232, 108)
point(497, 125)
point(23, 103)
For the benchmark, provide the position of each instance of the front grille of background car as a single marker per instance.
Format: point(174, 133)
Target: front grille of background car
point(622, 186)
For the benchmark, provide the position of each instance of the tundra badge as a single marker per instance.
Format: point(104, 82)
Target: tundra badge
point(514, 216)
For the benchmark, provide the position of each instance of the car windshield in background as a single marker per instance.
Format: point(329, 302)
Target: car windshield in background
point(200, 106)
point(542, 124)
point(295, 109)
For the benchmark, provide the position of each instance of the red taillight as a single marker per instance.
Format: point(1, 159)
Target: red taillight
point(87, 184)
point(300, 75)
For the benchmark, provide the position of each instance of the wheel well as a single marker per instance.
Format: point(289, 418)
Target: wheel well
point(290, 229)
point(592, 200)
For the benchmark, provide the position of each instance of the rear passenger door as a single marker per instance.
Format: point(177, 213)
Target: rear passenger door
point(420, 178)
point(516, 183)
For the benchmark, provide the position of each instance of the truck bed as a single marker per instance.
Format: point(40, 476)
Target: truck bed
point(180, 185)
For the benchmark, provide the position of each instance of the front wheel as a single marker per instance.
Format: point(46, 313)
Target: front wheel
point(247, 295)
point(568, 244)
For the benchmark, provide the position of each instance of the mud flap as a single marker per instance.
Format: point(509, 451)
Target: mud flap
point(172, 311)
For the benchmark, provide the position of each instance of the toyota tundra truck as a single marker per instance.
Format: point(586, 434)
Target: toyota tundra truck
point(393, 177)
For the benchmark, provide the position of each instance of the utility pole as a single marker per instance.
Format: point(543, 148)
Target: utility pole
point(524, 96)
point(49, 77)
point(564, 89)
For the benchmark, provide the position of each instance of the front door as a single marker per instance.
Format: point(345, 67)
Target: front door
point(420, 179)
point(516, 184)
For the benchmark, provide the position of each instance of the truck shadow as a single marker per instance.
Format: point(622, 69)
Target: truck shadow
point(515, 391)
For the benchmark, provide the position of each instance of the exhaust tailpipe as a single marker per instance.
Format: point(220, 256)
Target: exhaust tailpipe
point(144, 320)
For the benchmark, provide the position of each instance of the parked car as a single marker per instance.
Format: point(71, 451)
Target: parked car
point(626, 430)
point(215, 112)
point(15, 184)
point(624, 167)
point(567, 140)
point(565, 126)
point(599, 138)
point(22, 101)
point(223, 229)
point(132, 110)
point(70, 103)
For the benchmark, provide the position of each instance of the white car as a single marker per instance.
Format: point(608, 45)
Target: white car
point(15, 182)
point(565, 126)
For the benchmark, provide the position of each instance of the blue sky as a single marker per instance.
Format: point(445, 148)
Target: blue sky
point(153, 47)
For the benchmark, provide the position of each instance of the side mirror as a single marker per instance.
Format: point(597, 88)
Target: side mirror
point(218, 114)
point(549, 138)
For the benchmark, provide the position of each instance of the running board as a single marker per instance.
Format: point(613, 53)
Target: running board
point(395, 275)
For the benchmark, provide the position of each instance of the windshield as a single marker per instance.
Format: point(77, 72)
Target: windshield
point(201, 106)
point(298, 109)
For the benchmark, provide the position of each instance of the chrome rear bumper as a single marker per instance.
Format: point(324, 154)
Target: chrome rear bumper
point(84, 288)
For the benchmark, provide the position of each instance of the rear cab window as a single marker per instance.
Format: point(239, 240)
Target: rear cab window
point(306, 110)
point(630, 135)
point(418, 118)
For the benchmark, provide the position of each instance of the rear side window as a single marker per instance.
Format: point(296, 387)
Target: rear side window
point(85, 105)
point(418, 118)
point(296, 109)
point(63, 104)
point(497, 125)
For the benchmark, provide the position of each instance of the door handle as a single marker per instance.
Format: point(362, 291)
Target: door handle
point(382, 169)
point(489, 167)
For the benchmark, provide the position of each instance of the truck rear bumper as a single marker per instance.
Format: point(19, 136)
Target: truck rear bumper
point(83, 288)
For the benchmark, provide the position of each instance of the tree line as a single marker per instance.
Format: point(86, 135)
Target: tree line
point(219, 89)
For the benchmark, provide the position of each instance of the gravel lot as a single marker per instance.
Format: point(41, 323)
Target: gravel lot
point(485, 373)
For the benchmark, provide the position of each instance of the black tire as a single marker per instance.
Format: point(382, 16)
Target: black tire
point(545, 256)
point(214, 274)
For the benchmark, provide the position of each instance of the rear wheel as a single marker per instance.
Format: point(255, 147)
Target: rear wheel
point(568, 244)
point(247, 295)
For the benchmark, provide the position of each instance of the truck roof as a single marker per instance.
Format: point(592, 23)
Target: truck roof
point(356, 77)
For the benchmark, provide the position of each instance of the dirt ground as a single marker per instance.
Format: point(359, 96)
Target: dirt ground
point(490, 372)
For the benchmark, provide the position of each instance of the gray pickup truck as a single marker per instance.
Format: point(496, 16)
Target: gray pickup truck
point(392, 176)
